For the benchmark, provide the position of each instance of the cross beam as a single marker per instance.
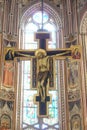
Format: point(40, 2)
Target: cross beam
point(11, 53)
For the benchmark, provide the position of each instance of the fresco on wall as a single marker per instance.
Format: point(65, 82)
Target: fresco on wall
point(73, 75)
point(75, 110)
point(9, 44)
point(8, 74)
point(8, 68)
point(5, 121)
point(76, 122)
point(74, 95)
point(6, 110)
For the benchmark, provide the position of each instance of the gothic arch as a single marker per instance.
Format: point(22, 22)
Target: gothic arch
point(83, 25)
point(28, 11)
point(83, 33)
point(83, 30)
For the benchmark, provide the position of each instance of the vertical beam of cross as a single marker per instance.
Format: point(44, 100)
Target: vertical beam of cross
point(43, 105)
point(42, 37)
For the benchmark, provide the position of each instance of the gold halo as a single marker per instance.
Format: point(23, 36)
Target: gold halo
point(40, 51)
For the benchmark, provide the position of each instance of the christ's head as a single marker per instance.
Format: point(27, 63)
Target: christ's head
point(40, 53)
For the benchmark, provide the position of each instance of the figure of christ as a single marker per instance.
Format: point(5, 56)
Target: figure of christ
point(43, 72)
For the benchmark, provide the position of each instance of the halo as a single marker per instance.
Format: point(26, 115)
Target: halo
point(40, 51)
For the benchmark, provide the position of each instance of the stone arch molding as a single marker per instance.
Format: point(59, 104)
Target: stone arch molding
point(83, 25)
point(28, 11)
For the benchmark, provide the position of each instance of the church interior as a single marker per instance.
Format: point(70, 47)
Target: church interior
point(43, 65)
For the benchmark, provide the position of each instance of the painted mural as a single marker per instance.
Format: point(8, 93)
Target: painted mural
point(6, 110)
point(74, 95)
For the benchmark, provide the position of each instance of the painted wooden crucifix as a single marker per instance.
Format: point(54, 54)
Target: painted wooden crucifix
point(43, 68)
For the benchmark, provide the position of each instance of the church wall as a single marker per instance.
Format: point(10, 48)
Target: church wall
point(76, 18)
point(83, 40)
point(83, 10)
point(8, 40)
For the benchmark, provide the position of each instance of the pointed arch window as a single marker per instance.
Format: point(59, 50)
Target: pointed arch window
point(30, 120)
point(34, 24)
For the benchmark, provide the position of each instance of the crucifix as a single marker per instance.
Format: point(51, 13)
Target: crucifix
point(42, 68)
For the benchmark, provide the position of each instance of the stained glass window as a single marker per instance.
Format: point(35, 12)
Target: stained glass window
point(30, 120)
point(38, 17)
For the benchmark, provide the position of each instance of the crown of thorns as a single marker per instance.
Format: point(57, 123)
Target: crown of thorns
point(42, 51)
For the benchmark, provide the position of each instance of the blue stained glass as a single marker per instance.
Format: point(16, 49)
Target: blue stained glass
point(29, 109)
point(28, 98)
point(53, 113)
point(29, 115)
point(54, 103)
point(38, 17)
